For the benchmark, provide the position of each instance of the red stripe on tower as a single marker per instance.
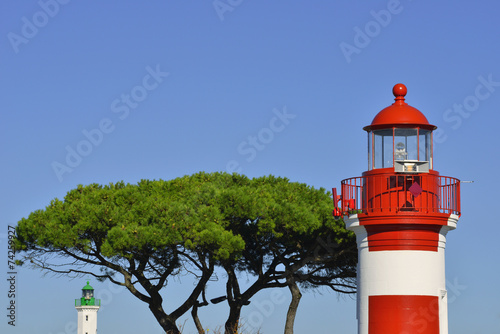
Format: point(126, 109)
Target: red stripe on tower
point(408, 237)
point(415, 314)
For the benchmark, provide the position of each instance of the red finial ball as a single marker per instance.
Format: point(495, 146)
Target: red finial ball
point(399, 90)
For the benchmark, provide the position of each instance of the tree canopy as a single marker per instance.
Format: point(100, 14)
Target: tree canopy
point(139, 235)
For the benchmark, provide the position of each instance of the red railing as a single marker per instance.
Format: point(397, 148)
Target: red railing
point(397, 193)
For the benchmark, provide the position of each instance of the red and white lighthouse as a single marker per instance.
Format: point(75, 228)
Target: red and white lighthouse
point(401, 210)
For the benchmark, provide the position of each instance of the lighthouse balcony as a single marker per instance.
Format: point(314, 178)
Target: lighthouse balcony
point(401, 194)
point(87, 302)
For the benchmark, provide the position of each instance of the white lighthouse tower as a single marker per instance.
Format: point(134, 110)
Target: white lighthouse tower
point(87, 308)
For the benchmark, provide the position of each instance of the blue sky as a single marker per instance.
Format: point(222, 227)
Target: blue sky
point(127, 90)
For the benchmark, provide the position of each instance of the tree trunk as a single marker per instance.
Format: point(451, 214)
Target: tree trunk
point(166, 322)
point(194, 313)
point(234, 301)
point(294, 304)
point(232, 322)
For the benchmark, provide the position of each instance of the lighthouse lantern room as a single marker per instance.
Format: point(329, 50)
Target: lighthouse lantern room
point(401, 210)
point(401, 137)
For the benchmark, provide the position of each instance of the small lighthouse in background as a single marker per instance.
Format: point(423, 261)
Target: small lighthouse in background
point(87, 307)
point(401, 210)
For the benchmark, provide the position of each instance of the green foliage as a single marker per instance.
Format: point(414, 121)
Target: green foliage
point(146, 231)
point(210, 212)
point(125, 220)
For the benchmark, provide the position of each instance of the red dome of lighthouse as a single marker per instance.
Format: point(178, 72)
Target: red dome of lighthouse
point(399, 114)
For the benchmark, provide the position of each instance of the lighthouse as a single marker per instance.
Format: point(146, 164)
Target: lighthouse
point(87, 307)
point(401, 209)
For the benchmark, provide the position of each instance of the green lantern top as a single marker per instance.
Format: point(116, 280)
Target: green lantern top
point(87, 287)
point(87, 297)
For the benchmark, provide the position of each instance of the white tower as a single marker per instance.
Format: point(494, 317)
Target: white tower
point(87, 308)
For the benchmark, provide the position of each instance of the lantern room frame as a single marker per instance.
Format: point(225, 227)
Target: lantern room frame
point(384, 150)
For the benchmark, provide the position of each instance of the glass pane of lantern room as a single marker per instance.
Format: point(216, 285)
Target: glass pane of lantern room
point(377, 154)
point(87, 294)
point(406, 144)
point(425, 146)
point(370, 151)
point(383, 148)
